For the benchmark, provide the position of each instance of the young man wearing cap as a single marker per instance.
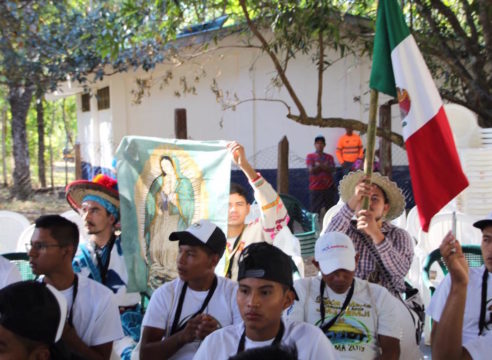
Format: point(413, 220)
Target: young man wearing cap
point(93, 321)
point(9, 273)
point(265, 291)
point(385, 251)
point(461, 306)
point(357, 316)
point(239, 235)
point(101, 258)
point(32, 316)
point(320, 166)
point(182, 312)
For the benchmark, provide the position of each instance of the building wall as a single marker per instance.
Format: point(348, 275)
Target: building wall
point(259, 125)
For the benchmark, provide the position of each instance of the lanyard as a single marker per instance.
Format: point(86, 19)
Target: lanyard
point(276, 341)
point(327, 326)
point(175, 327)
point(75, 285)
point(103, 268)
point(482, 322)
point(234, 251)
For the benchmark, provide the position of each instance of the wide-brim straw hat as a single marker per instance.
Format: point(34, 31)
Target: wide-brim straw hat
point(102, 186)
point(395, 196)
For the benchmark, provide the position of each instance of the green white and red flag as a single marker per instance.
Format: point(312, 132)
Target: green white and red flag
point(399, 70)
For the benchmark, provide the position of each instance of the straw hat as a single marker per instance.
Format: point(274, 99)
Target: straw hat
point(102, 186)
point(393, 192)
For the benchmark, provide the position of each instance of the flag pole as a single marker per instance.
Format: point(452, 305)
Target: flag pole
point(371, 142)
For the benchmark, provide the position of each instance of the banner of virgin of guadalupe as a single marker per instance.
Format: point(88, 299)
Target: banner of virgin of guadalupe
point(165, 185)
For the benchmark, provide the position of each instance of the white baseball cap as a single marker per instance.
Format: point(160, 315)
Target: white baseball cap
point(202, 233)
point(334, 250)
point(484, 222)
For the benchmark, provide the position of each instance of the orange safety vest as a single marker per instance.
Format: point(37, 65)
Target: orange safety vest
point(349, 148)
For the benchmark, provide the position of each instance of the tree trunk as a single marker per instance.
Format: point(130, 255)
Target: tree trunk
point(52, 178)
point(41, 147)
point(20, 100)
point(4, 145)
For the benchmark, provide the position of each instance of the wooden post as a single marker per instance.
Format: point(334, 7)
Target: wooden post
point(78, 161)
point(371, 141)
point(180, 129)
point(385, 160)
point(283, 166)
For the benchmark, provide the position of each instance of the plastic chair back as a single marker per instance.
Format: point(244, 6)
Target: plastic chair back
point(330, 213)
point(21, 260)
point(473, 255)
point(12, 225)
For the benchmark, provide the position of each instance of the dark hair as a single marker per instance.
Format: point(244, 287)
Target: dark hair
point(386, 198)
point(61, 229)
point(319, 138)
point(271, 352)
point(238, 189)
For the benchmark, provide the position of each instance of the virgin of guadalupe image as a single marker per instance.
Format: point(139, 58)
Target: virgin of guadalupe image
point(169, 206)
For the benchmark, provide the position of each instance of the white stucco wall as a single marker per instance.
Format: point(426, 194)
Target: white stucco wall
point(259, 126)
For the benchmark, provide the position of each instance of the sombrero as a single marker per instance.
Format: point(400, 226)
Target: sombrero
point(101, 187)
point(393, 192)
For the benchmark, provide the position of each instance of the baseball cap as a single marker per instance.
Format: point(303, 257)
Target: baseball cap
point(484, 222)
point(33, 310)
point(264, 261)
point(202, 233)
point(334, 250)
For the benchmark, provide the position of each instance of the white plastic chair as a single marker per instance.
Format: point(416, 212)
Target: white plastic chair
point(12, 225)
point(330, 213)
point(25, 238)
point(400, 221)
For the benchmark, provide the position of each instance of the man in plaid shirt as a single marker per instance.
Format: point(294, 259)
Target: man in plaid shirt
point(372, 233)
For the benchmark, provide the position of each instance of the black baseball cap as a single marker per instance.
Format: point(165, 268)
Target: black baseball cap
point(264, 261)
point(33, 310)
point(202, 233)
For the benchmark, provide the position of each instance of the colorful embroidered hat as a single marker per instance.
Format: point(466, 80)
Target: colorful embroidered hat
point(102, 189)
point(394, 194)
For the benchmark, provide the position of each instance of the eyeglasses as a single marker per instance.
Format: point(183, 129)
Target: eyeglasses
point(40, 246)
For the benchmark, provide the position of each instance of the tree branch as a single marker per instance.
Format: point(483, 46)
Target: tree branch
point(320, 73)
point(485, 18)
point(276, 63)
point(353, 124)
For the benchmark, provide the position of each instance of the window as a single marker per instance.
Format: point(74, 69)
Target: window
point(103, 98)
point(86, 102)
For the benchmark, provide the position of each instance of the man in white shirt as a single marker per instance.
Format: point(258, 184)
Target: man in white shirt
point(182, 312)
point(265, 228)
point(8, 272)
point(265, 291)
point(461, 306)
point(357, 316)
point(93, 321)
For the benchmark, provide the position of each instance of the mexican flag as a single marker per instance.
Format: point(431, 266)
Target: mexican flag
point(399, 70)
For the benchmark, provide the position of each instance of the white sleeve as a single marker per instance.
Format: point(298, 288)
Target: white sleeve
point(205, 349)
point(157, 313)
point(480, 346)
point(438, 300)
point(322, 348)
point(387, 313)
point(296, 311)
point(107, 327)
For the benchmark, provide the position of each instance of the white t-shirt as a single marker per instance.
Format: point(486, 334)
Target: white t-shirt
point(371, 312)
point(96, 318)
point(8, 273)
point(164, 301)
point(472, 305)
point(310, 342)
point(480, 348)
